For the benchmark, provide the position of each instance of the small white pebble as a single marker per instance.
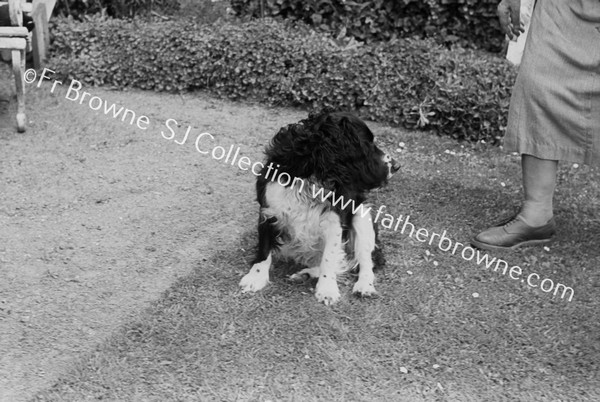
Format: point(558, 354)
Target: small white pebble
point(427, 252)
point(403, 370)
point(435, 263)
point(398, 149)
point(546, 248)
point(503, 184)
point(436, 366)
point(475, 295)
point(447, 151)
point(306, 356)
point(409, 272)
point(401, 144)
point(575, 165)
point(483, 141)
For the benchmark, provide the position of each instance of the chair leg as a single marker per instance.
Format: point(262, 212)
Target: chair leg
point(18, 64)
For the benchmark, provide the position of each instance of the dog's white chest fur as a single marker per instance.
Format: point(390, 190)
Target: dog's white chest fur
point(300, 218)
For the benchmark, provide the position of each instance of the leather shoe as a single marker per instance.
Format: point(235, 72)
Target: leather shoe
point(514, 234)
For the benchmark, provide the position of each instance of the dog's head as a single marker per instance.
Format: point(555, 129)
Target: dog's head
point(336, 148)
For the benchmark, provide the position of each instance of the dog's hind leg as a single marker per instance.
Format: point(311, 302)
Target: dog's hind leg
point(364, 244)
point(333, 261)
point(258, 277)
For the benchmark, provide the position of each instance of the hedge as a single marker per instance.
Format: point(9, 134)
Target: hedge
point(114, 8)
point(463, 21)
point(414, 83)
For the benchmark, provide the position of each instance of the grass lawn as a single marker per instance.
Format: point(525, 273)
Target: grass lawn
point(441, 329)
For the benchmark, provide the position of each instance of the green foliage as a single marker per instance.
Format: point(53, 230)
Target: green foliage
point(204, 11)
point(113, 8)
point(415, 83)
point(464, 21)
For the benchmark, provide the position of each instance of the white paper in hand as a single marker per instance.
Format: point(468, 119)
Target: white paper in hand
point(515, 48)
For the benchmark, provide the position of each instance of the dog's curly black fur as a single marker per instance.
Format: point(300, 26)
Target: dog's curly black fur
point(336, 149)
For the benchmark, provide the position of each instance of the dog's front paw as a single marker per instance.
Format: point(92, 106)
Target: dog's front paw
point(255, 280)
point(327, 290)
point(364, 287)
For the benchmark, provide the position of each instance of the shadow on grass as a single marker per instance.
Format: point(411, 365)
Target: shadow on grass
point(426, 337)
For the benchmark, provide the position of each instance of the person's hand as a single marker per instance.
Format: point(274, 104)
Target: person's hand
point(509, 13)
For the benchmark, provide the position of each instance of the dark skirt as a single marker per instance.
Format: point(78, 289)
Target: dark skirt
point(555, 104)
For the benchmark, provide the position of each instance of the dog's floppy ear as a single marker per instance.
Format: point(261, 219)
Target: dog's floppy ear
point(351, 123)
point(346, 125)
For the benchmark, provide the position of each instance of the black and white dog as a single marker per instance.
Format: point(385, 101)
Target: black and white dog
point(311, 193)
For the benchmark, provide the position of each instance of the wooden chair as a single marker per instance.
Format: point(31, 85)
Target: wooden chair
point(14, 38)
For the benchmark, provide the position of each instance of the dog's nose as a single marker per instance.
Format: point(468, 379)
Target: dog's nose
point(395, 165)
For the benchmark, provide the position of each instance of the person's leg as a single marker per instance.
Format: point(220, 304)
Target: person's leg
point(534, 224)
point(539, 182)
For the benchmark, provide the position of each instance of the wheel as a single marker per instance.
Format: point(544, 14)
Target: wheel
point(21, 122)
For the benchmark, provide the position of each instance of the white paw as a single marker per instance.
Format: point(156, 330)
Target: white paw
point(255, 280)
point(364, 287)
point(327, 290)
point(300, 275)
